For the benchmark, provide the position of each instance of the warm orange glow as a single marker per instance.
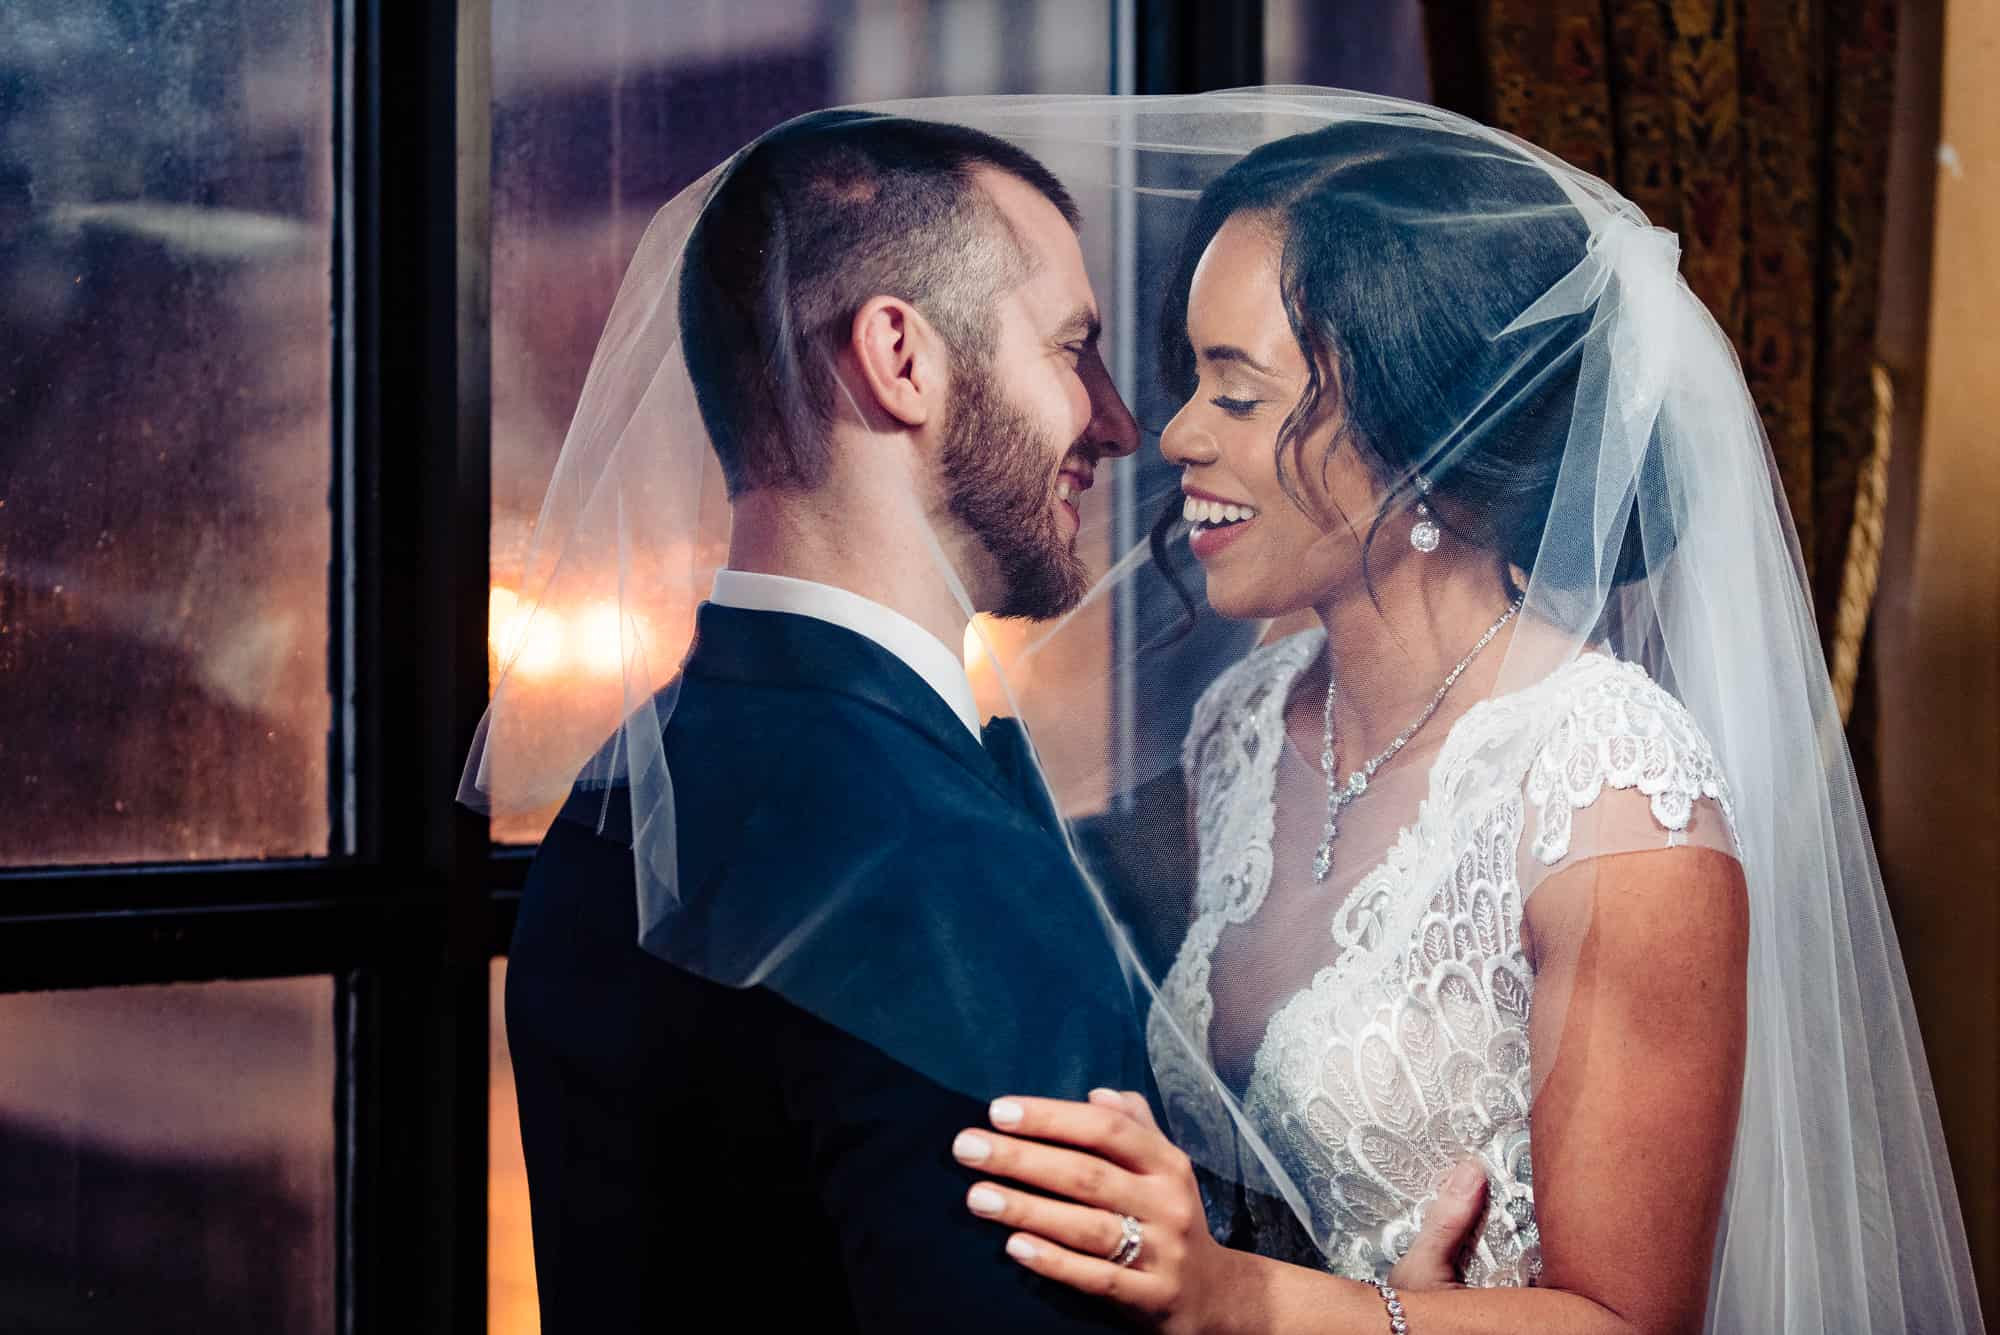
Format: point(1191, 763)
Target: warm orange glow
point(539, 644)
point(597, 644)
point(500, 605)
point(974, 650)
point(1003, 671)
point(511, 1304)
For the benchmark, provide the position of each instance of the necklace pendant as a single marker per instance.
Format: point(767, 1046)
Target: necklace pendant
point(1338, 795)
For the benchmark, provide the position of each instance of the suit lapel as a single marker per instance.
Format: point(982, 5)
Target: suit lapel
point(1007, 743)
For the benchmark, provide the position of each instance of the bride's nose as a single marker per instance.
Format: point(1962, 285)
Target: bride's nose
point(1186, 443)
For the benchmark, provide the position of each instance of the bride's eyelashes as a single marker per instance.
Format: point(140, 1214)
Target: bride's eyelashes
point(1236, 407)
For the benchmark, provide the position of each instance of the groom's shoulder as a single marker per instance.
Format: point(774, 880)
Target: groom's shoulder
point(810, 757)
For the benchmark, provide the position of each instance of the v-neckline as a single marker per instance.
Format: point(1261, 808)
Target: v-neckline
point(1282, 690)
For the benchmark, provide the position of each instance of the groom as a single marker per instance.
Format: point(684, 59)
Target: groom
point(890, 329)
point(890, 332)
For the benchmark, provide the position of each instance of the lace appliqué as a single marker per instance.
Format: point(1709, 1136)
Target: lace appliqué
point(1409, 1050)
point(1230, 758)
point(1625, 732)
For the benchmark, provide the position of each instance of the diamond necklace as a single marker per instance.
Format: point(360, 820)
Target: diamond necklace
point(1338, 795)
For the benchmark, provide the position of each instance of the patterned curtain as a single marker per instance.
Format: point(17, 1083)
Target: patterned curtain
point(1759, 131)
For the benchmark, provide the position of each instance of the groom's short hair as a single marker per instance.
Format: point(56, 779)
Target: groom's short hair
point(804, 227)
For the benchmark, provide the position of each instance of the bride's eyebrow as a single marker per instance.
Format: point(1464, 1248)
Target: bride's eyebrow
point(1229, 352)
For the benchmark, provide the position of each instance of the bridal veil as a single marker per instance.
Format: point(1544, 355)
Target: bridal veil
point(1600, 439)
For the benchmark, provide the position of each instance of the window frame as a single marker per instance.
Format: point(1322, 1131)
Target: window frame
point(413, 901)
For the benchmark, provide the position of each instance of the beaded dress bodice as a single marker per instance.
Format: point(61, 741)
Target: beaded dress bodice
point(1408, 1048)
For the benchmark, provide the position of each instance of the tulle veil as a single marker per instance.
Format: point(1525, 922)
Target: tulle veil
point(1662, 540)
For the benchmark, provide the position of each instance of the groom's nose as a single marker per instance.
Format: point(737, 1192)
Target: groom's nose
point(1111, 432)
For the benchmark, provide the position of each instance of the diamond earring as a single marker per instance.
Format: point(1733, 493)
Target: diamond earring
point(1424, 534)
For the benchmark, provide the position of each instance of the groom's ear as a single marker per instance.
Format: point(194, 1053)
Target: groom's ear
point(900, 363)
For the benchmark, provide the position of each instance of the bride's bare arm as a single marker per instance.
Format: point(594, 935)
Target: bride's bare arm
point(1637, 1031)
point(1639, 1017)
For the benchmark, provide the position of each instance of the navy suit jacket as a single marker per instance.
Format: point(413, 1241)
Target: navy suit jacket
point(771, 1153)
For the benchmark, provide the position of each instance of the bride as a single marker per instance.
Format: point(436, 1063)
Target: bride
point(1535, 866)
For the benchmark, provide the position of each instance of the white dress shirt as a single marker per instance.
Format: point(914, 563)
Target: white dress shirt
point(919, 650)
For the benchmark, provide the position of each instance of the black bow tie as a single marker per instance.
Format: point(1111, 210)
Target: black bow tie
point(1006, 743)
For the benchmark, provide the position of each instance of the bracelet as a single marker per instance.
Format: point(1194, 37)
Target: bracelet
point(1399, 1323)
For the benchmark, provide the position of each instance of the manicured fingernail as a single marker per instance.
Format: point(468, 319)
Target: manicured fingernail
point(1021, 1249)
point(970, 1148)
point(985, 1200)
point(1111, 1098)
point(1006, 1112)
point(1465, 1178)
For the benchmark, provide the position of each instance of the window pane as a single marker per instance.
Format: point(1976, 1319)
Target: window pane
point(1373, 46)
point(168, 1158)
point(164, 402)
point(605, 108)
point(510, 1255)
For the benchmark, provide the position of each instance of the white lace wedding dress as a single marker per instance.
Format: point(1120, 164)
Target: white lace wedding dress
point(1375, 1029)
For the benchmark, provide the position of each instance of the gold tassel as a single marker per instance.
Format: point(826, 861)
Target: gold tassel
point(1863, 567)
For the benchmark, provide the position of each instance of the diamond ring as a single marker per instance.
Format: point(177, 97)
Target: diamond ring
point(1132, 1238)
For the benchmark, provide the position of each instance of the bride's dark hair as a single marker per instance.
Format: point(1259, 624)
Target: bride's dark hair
point(1400, 313)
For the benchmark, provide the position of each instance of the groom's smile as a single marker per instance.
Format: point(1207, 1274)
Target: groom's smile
point(1028, 427)
point(1074, 480)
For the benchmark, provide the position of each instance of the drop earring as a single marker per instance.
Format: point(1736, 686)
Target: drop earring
point(1424, 534)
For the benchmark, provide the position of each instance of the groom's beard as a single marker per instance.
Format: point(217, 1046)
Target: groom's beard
point(996, 473)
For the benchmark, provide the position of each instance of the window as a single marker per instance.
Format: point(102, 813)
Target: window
point(166, 181)
point(253, 488)
point(168, 1154)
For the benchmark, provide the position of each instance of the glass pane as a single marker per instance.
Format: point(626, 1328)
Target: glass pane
point(605, 108)
point(165, 177)
point(168, 1155)
point(1371, 46)
point(510, 1255)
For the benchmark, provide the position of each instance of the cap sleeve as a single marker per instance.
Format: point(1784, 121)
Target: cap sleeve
point(1623, 768)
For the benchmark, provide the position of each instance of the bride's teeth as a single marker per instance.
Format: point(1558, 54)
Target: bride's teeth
point(1196, 511)
point(1062, 491)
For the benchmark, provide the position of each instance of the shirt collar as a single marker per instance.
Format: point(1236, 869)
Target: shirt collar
point(919, 650)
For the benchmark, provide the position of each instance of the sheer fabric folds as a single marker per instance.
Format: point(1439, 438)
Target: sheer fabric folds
point(1325, 1050)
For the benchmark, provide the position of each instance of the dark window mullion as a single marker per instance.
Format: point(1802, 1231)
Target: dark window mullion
point(277, 939)
point(101, 927)
point(214, 887)
point(1195, 46)
point(412, 1022)
point(106, 927)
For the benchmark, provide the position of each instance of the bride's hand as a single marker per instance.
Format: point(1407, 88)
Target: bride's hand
point(1451, 1221)
point(1117, 1163)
